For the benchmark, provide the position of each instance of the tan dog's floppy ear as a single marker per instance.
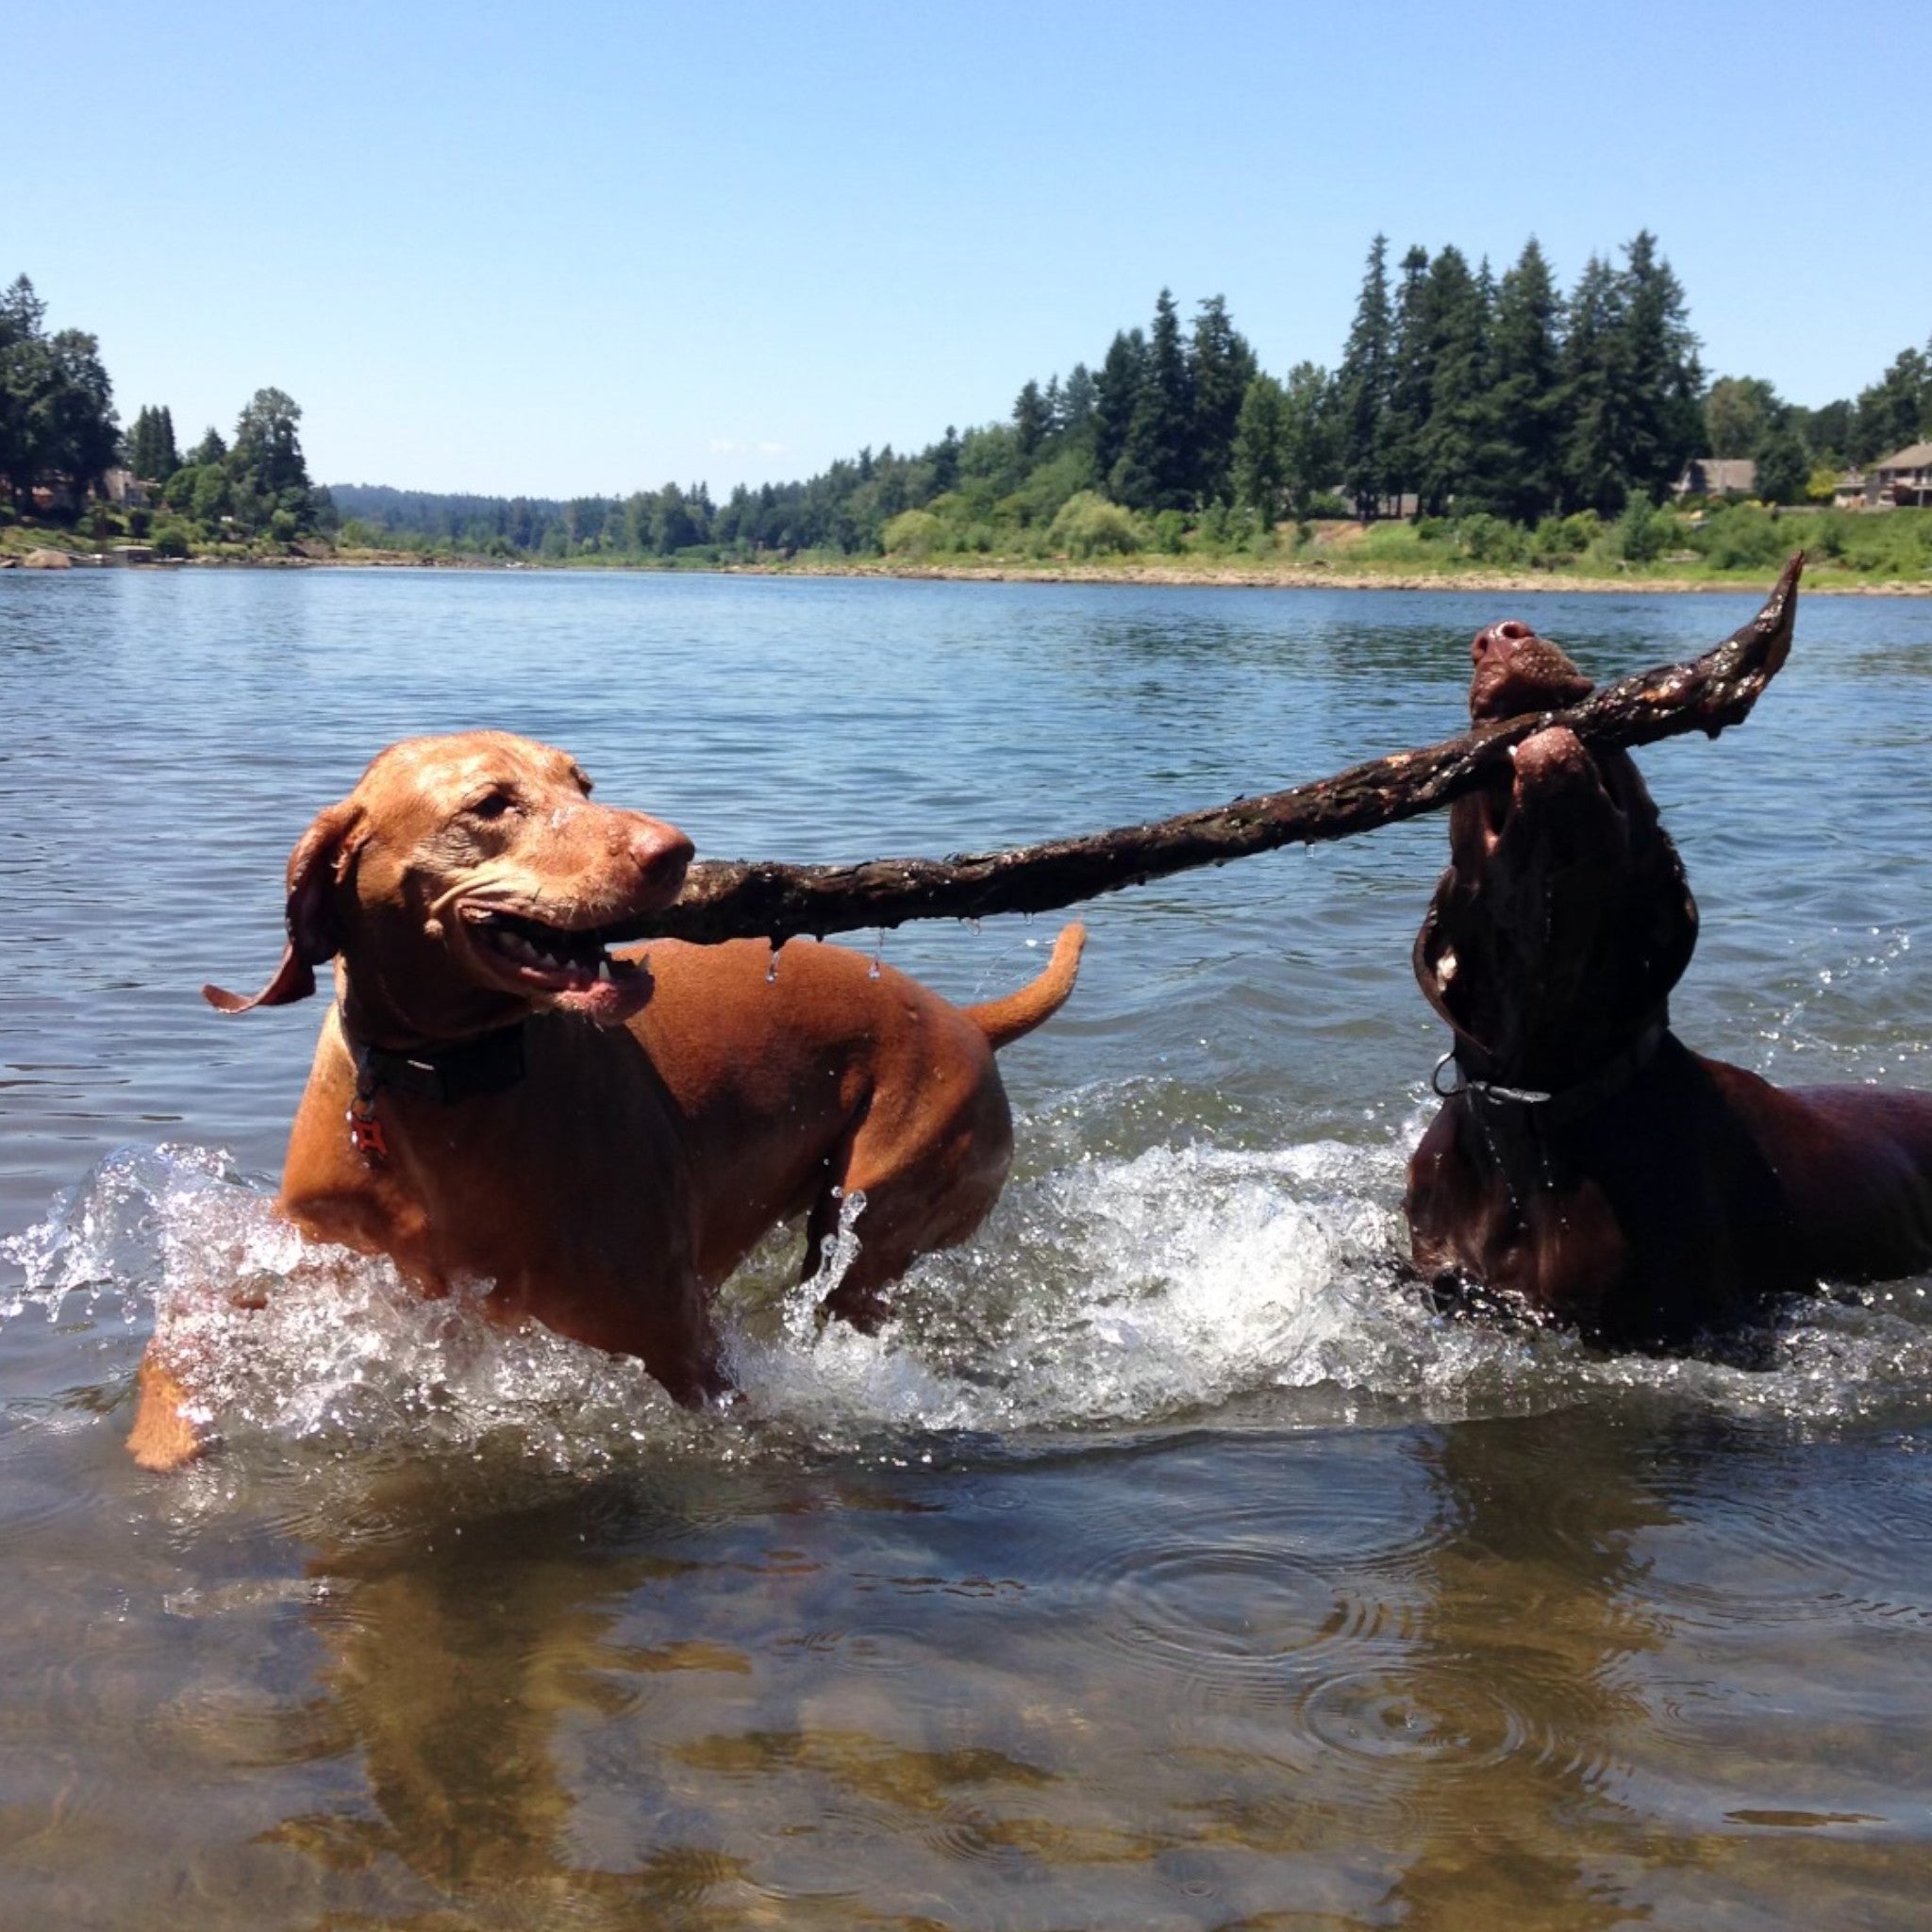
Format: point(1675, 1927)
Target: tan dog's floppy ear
point(316, 867)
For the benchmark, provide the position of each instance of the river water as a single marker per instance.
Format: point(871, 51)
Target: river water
point(1166, 1563)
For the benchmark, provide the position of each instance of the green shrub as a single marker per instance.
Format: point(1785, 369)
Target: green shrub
point(1169, 532)
point(1562, 540)
point(170, 539)
point(1087, 524)
point(1643, 532)
point(1490, 539)
point(1741, 537)
point(913, 533)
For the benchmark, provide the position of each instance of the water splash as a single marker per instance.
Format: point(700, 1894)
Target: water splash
point(1115, 1293)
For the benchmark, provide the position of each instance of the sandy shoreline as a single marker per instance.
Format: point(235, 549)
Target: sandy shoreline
point(1295, 578)
point(1216, 576)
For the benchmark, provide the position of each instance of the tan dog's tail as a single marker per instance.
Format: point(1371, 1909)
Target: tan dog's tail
point(1019, 1012)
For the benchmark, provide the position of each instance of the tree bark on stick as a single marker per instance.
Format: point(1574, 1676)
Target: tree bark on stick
point(747, 899)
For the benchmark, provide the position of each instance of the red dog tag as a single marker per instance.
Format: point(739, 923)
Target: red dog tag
point(365, 1136)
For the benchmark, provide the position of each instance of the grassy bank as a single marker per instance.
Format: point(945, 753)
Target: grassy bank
point(1732, 547)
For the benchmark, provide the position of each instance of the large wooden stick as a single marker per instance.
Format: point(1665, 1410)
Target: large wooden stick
point(744, 899)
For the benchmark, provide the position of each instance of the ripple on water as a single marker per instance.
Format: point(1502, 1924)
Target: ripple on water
point(1788, 1553)
point(1253, 1600)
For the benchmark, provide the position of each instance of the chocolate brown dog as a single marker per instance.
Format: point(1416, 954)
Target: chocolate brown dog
point(602, 1135)
point(1587, 1166)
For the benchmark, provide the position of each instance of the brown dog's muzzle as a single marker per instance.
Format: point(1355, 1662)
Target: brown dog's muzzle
point(1516, 671)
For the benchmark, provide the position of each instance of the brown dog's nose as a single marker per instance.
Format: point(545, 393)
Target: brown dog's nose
point(661, 852)
point(1512, 630)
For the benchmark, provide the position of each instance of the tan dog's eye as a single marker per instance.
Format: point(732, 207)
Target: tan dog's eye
point(492, 805)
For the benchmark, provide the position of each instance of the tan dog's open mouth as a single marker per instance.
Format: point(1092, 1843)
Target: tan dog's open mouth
point(572, 968)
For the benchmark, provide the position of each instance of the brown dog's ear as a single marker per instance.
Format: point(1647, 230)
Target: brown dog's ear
point(318, 864)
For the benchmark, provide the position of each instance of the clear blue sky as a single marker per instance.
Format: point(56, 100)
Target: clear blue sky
point(598, 248)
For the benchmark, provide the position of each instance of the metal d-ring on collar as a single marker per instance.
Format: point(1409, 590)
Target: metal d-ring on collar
point(1523, 1129)
point(1563, 1103)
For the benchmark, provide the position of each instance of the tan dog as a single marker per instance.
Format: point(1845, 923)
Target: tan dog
point(602, 1136)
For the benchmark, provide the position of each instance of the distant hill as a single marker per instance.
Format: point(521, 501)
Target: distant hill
point(467, 521)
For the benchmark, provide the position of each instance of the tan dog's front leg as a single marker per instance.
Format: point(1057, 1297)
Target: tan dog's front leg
point(162, 1438)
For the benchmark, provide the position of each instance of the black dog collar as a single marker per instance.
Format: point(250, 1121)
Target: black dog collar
point(488, 1064)
point(1563, 1105)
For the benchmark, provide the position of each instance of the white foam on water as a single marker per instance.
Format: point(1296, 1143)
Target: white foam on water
point(1114, 1291)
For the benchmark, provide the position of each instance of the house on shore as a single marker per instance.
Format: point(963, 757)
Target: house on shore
point(1902, 480)
point(1717, 477)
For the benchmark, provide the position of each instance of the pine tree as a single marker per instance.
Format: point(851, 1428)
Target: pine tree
point(1259, 463)
point(1032, 419)
point(1221, 366)
point(944, 457)
point(139, 443)
point(1592, 394)
point(1411, 379)
point(1662, 415)
point(1116, 391)
point(56, 404)
point(150, 453)
point(1311, 435)
point(1076, 402)
point(1457, 351)
point(1516, 466)
point(267, 474)
point(1363, 382)
point(1157, 468)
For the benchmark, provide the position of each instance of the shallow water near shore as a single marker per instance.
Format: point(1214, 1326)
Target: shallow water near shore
point(1167, 1562)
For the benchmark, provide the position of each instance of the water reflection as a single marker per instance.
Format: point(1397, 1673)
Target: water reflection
point(1516, 1689)
point(461, 1646)
point(738, 1698)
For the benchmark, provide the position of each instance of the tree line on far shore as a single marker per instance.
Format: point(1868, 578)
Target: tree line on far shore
point(1517, 414)
point(1498, 402)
